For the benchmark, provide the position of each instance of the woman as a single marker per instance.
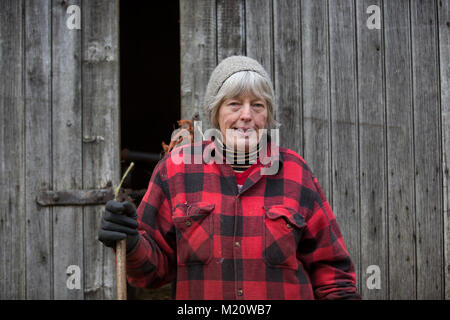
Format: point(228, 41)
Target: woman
point(225, 228)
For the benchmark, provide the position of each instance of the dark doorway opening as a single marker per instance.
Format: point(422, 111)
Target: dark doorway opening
point(149, 96)
point(149, 81)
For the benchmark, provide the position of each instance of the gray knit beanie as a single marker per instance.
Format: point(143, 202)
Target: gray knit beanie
point(225, 69)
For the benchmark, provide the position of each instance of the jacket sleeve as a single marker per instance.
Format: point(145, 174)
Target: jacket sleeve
point(152, 263)
point(323, 252)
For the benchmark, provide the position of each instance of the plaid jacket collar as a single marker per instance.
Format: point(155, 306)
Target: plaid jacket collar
point(270, 159)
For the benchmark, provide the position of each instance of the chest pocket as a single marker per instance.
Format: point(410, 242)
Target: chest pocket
point(194, 231)
point(282, 232)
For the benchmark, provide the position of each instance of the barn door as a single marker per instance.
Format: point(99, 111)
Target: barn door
point(60, 111)
point(85, 109)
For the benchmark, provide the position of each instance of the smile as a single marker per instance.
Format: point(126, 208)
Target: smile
point(244, 132)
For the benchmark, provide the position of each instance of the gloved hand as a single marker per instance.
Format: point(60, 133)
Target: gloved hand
point(119, 221)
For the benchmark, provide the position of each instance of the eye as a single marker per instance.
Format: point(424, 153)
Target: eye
point(234, 104)
point(259, 105)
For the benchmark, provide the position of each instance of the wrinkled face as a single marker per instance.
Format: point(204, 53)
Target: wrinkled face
point(241, 119)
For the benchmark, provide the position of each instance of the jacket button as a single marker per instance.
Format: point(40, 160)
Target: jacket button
point(188, 223)
point(289, 225)
point(240, 292)
point(237, 244)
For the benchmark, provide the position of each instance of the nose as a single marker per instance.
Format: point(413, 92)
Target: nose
point(246, 113)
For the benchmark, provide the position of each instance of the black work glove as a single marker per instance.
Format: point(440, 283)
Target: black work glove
point(119, 222)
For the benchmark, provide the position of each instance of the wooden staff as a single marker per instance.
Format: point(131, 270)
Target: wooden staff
point(121, 252)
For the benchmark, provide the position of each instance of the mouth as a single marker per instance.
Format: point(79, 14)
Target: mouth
point(245, 132)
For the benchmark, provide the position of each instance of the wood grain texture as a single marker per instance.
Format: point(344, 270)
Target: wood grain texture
point(259, 33)
point(427, 155)
point(400, 151)
point(101, 166)
point(444, 55)
point(344, 126)
point(38, 149)
point(198, 55)
point(288, 73)
point(230, 28)
point(12, 149)
point(67, 148)
point(372, 150)
point(315, 91)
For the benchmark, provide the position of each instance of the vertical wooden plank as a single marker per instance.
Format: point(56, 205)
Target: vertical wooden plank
point(38, 163)
point(230, 28)
point(101, 159)
point(444, 49)
point(444, 55)
point(259, 33)
point(400, 150)
point(427, 140)
point(315, 84)
point(288, 72)
point(12, 177)
point(67, 147)
point(371, 151)
point(198, 55)
point(344, 126)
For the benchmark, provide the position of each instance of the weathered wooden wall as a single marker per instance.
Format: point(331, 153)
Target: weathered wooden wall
point(59, 88)
point(368, 109)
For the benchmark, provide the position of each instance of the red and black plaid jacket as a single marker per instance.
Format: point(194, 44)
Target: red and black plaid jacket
point(275, 239)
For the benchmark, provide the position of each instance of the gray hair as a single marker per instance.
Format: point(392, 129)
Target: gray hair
point(243, 82)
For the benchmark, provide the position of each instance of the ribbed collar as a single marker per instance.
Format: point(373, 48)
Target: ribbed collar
point(267, 152)
point(239, 160)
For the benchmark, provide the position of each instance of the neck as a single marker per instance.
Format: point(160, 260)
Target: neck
point(239, 160)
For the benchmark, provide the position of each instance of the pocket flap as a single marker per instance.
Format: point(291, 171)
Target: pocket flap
point(290, 215)
point(197, 208)
point(201, 208)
